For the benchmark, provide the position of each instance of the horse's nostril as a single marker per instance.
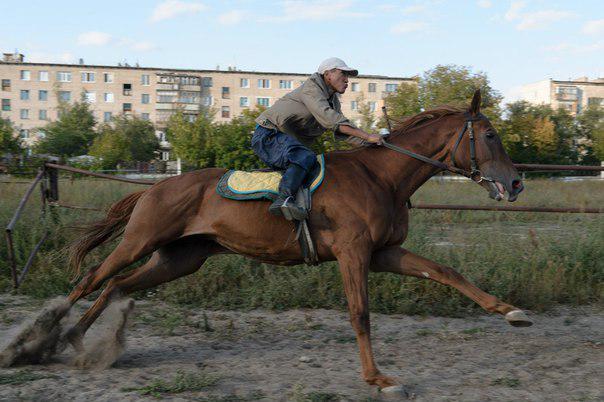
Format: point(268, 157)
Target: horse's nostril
point(516, 184)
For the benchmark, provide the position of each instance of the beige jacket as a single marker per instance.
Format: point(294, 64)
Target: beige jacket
point(306, 112)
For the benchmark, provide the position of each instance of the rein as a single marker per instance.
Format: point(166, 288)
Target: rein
point(474, 174)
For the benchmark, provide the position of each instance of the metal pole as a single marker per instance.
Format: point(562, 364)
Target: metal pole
point(512, 209)
point(532, 167)
point(30, 259)
point(104, 176)
point(11, 226)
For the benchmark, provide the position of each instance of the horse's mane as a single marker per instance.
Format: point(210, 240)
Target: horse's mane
point(418, 120)
point(401, 126)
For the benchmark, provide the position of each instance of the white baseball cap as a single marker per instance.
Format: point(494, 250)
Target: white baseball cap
point(334, 62)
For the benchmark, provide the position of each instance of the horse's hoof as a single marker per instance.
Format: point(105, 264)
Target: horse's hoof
point(518, 318)
point(395, 390)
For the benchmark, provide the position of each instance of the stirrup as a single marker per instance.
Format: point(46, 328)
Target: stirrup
point(291, 211)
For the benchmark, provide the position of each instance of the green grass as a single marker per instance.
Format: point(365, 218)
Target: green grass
point(535, 261)
point(21, 377)
point(182, 382)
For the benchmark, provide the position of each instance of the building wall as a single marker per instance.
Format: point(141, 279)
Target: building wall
point(146, 82)
point(572, 95)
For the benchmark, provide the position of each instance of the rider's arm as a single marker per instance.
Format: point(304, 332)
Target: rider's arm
point(356, 132)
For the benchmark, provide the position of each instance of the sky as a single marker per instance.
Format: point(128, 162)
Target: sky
point(514, 42)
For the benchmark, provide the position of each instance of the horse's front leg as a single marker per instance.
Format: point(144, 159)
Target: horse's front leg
point(354, 269)
point(400, 261)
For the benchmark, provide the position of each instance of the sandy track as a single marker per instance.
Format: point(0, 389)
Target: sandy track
point(312, 355)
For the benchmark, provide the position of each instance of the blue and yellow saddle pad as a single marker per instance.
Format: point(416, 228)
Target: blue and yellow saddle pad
point(241, 185)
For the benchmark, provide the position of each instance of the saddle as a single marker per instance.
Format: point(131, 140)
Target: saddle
point(255, 185)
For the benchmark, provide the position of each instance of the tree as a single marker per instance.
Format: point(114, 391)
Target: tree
point(191, 141)
point(544, 139)
point(367, 119)
point(590, 127)
point(125, 139)
point(9, 143)
point(444, 85)
point(73, 132)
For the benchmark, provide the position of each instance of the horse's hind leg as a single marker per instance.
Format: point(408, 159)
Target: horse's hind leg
point(404, 262)
point(170, 262)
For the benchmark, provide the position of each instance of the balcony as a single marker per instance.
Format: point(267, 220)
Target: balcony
point(566, 96)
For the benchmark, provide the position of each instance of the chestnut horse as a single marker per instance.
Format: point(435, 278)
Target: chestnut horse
point(359, 218)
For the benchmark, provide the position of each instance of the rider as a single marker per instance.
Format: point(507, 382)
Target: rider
point(287, 129)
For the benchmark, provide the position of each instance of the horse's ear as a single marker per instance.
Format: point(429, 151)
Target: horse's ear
point(475, 106)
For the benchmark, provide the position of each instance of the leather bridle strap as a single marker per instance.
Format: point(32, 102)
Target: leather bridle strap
point(474, 174)
point(425, 159)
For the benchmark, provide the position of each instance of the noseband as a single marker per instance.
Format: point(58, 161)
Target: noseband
point(474, 174)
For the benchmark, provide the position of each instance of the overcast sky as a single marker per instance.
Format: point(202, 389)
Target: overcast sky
point(514, 42)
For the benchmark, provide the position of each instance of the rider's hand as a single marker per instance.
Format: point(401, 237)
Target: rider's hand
point(375, 139)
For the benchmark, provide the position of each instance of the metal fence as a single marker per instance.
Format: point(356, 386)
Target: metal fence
point(47, 178)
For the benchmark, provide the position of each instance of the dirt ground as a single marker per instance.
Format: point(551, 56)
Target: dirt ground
point(183, 354)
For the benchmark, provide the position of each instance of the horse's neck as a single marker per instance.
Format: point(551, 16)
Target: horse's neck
point(403, 175)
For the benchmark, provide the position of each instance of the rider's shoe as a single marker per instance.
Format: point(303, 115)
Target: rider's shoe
point(286, 206)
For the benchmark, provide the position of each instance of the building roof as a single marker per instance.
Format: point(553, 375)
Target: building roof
point(177, 70)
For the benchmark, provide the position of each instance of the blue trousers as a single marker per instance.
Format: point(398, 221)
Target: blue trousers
point(284, 152)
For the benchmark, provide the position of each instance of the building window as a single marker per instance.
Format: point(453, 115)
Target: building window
point(595, 101)
point(43, 114)
point(355, 87)
point(372, 87)
point(6, 105)
point(63, 76)
point(207, 101)
point(24, 134)
point(263, 102)
point(43, 95)
point(244, 101)
point(391, 87)
point(145, 99)
point(108, 97)
point(127, 107)
point(90, 97)
point(372, 106)
point(107, 117)
point(285, 84)
point(6, 85)
point(262, 83)
point(145, 116)
point(145, 79)
point(354, 105)
point(87, 77)
point(24, 94)
point(226, 112)
point(43, 76)
point(108, 78)
point(127, 89)
point(165, 98)
point(244, 83)
point(25, 75)
point(226, 93)
point(164, 155)
point(24, 114)
point(64, 96)
point(206, 82)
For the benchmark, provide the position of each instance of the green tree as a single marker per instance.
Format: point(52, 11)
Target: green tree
point(72, 133)
point(9, 143)
point(590, 127)
point(368, 120)
point(444, 85)
point(191, 140)
point(125, 139)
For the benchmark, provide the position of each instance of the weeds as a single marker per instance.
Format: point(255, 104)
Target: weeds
point(506, 382)
point(182, 382)
point(534, 261)
point(21, 376)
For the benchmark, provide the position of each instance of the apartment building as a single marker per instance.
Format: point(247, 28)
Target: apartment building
point(572, 95)
point(30, 92)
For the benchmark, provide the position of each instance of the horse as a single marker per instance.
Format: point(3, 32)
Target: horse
point(359, 218)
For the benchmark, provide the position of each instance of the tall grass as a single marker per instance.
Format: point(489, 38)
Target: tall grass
point(532, 260)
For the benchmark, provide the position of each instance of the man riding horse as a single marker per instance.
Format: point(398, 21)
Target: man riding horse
point(286, 130)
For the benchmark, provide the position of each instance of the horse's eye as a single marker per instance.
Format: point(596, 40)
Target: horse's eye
point(490, 134)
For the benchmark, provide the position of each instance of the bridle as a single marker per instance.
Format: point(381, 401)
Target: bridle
point(474, 174)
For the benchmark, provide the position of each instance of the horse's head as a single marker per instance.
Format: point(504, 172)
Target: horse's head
point(490, 164)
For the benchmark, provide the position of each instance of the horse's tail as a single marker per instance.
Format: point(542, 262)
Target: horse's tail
point(103, 230)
